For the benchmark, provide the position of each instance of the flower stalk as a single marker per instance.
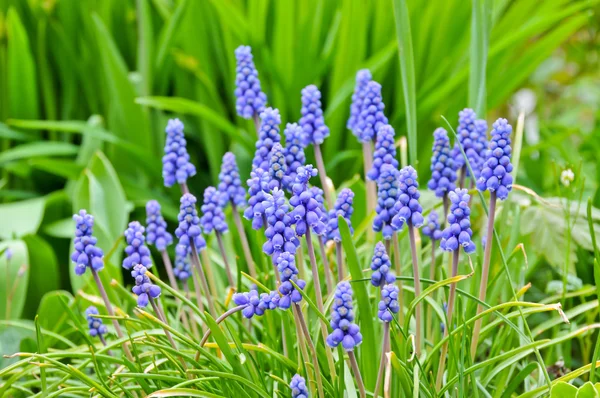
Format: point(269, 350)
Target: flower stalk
point(415, 263)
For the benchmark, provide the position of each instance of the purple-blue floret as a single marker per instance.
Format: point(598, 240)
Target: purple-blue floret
point(258, 188)
point(293, 151)
point(268, 135)
point(189, 223)
point(255, 304)
point(144, 288)
point(385, 151)
point(381, 267)
point(156, 227)
point(495, 175)
point(469, 138)
point(371, 117)
point(182, 269)
point(306, 213)
point(86, 253)
point(136, 250)
point(408, 209)
point(345, 331)
point(389, 303)
point(289, 273)
point(95, 325)
point(230, 183)
point(312, 121)
point(213, 217)
point(280, 234)
point(458, 232)
point(277, 168)
point(343, 207)
point(250, 100)
point(363, 77)
point(387, 195)
point(298, 386)
point(443, 170)
point(432, 227)
point(177, 167)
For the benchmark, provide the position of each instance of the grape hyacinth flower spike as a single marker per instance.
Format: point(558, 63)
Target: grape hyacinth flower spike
point(136, 250)
point(293, 151)
point(381, 267)
point(95, 325)
point(443, 169)
point(250, 99)
point(317, 193)
point(286, 265)
point(388, 191)
point(144, 288)
point(279, 233)
point(371, 117)
point(468, 138)
point(277, 168)
point(157, 235)
point(255, 304)
point(496, 178)
point(230, 185)
point(387, 307)
point(343, 207)
point(385, 151)
point(182, 270)
point(177, 167)
point(298, 387)
point(433, 231)
point(258, 189)
point(268, 136)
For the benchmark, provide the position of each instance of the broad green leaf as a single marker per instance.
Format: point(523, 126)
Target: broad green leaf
point(21, 218)
point(38, 149)
point(14, 278)
point(44, 273)
point(586, 391)
point(563, 390)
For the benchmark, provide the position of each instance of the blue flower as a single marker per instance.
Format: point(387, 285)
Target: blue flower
point(408, 208)
point(97, 328)
point(268, 135)
point(258, 187)
point(229, 181)
point(250, 99)
point(298, 386)
point(343, 207)
point(432, 228)
point(458, 232)
point(345, 331)
point(443, 170)
point(177, 167)
point(387, 195)
point(371, 117)
point(156, 227)
point(389, 303)
point(86, 253)
point(182, 269)
point(280, 235)
point(143, 288)
point(287, 269)
point(469, 138)
point(381, 267)
point(306, 210)
point(8, 253)
point(277, 168)
point(363, 77)
point(312, 121)
point(189, 223)
point(212, 213)
point(495, 175)
point(385, 151)
point(136, 250)
point(293, 151)
point(255, 304)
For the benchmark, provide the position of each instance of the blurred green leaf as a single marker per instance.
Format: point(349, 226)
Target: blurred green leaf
point(38, 149)
point(44, 274)
point(14, 278)
point(21, 218)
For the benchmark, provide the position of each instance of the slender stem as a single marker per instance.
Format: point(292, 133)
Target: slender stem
point(450, 310)
point(357, 376)
point(432, 269)
point(199, 300)
point(398, 266)
point(463, 175)
point(102, 340)
point(485, 271)
point(388, 377)
point(198, 266)
point(384, 349)
point(173, 282)
point(256, 118)
point(156, 306)
point(328, 276)
point(244, 239)
point(388, 246)
point(415, 263)
point(111, 312)
point(323, 175)
point(302, 347)
point(210, 277)
point(184, 188)
point(313, 351)
point(193, 322)
point(340, 261)
point(219, 320)
point(300, 262)
point(9, 299)
point(367, 148)
point(446, 203)
point(225, 260)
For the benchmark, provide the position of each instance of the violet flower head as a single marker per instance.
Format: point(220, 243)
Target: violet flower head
point(306, 213)
point(481, 127)
point(230, 183)
point(95, 325)
point(312, 121)
point(389, 303)
point(268, 135)
point(86, 253)
point(213, 217)
point(293, 151)
point(189, 224)
point(277, 168)
point(182, 269)
point(371, 117)
point(255, 304)
point(385, 151)
point(343, 207)
point(136, 250)
point(298, 386)
point(408, 209)
point(250, 99)
point(286, 265)
point(468, 137)
point(156, 227)
point(443, 170)
point(363, 77)
point(458, 232)
point(495, 175)
point(387, 195)
point(177, 167)
point(144, 288)
point(258, 187)
point(381, 267)
point(345, 331)
point(432, 227)
point(280, 235)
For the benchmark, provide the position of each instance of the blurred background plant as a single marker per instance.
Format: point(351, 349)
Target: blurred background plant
point(86, 88)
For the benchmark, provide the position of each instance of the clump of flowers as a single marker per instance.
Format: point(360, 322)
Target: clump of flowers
point(306, 211)
point(293, 151)
point(280, 235)
point(443, 170)
point(213, 217)
point(385, 151)
point(389, 303)
point(345, 331)
point(469, 133)
point(144, 288)
point(381, 267)
point(268, 135)
point(255, 304)
point(495, 175)
point(136, 250)
point(156, 227)
point(371, 117)
point(387, 195)
point(277, 168)
point(312, 121)
point(566, 178)
point(95, 325)
point(86, 253)
point(177, 167)
point(408, 208)
point(343, 207)
point(363, 77)
point(250, 99)
point(230, 184)
point(287, 269)
point(432, 227)
point(182, 269)
point(458, 232)
point(188, 230)
point(258, 188)
point(298, 386)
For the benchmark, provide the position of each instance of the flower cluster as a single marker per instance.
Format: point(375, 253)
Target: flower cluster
point(389, 303)
point(280, 235)
point(381, 267)
point(469, 139)
point(385, 151)
point(97, 328)
point(250, 99)
point(371, 116)
point(86, 253)
point(481, 127)
point(229, 181)
point(298, 386)
point(177, 167)
point(182, 269)
point(387, 195)
point(306, 213)
point(156, 227)
point(288, 271)
point(432, 227)
point(255, 304)
point(277, 168)
point(136, 250)
point(408, 209)
point(213, 217)
point(443, 170)
point(495, 175)
point(458, 232)
point(268, 135)
point(343, 207)
point(189, 224)
point(258, 187)
point(312, 121)
point(293, 151)
point(143, 288)
point(363, 77)
point(345, 331)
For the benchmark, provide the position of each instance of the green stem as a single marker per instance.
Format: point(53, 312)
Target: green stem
point(357, 376)
point(323, 175)
point(451, 298)
point(415, 264)
point(225, 260)
point(244, 239)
